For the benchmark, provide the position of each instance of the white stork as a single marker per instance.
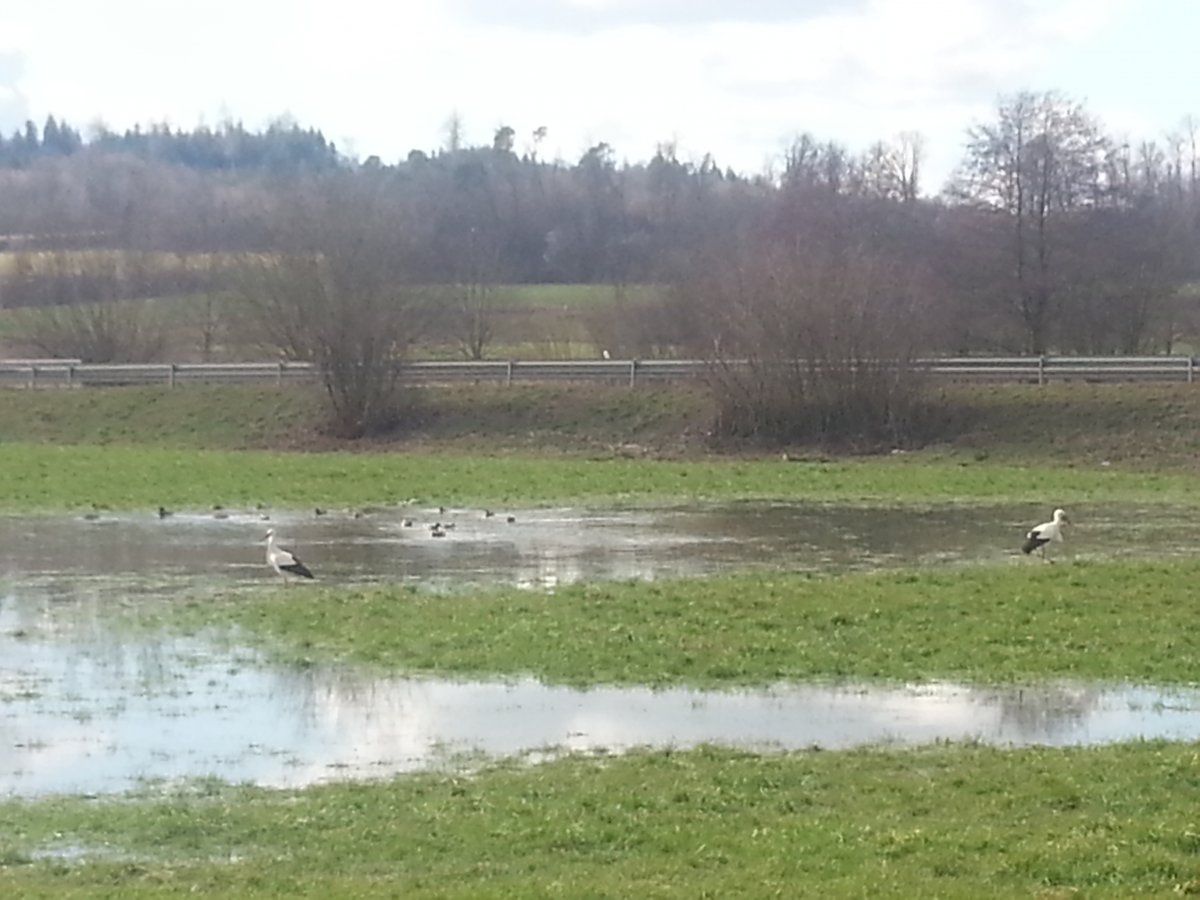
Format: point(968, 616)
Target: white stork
point(1041, 535)
point(284, 561)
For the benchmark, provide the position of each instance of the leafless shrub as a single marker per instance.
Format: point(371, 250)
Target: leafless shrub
point(340, 292)
point(79, 310)
point(474, 312)
point(641, 324)
point(127, 331)
point(813, 345)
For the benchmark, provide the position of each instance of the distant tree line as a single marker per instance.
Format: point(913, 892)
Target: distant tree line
point(282, 147)
point(1053, 235)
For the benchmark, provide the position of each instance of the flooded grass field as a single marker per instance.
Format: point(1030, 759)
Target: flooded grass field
point(126, 554)
point(86, 709)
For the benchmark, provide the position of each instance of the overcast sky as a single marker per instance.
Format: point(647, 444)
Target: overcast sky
point(735, 78)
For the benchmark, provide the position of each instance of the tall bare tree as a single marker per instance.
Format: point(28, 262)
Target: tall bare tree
point(1040, 160)
point(473, 297)
point(892, 171)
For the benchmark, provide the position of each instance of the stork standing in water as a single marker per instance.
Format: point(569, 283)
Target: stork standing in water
point(1043, 534)
point(284, 561)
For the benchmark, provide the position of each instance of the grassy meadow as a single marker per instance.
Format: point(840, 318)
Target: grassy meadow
point(941, 821)
point(946, 820)
point(196, 447)
point(34, 477)
point(1108, 621)
point(530, 321)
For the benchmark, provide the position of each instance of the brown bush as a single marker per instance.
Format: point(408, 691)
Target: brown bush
point(340, 292)
point(812, 345)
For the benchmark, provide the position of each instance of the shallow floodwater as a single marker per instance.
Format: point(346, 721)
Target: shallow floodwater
point(134, 553)
point(109, 717)
point(86, 710)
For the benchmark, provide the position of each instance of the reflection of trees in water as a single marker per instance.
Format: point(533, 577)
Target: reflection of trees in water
point(1045, 712)
point(65, 635)
point(323, 690)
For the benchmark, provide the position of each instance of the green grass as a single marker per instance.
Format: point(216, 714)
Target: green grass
point(118, 476)
point(547, 321)
point(1142, 425)
point(1150, 427)
point(531, 321)
point(1113, 621)
point(942, 821)
point(516, 344)
point(196, 416)
point(199, 446)
point(563, 296)
point(479, 417)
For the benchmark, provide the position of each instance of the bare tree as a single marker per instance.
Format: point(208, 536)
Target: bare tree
point(454, 132)
point(1191, 130)
point(538, 135)
point(473, 297)
point(907, 156)
point(1039, 161)
point(127, 331)
point(342, 290)
point(892, 171)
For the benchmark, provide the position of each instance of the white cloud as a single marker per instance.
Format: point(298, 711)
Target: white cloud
point(737, 79)
point(586, 16)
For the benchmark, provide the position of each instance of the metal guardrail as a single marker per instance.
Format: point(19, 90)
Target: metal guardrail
point(1030, 369)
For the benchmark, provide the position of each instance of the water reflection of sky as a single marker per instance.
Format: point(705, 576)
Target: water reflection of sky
point(101, 717)
point(84, 711)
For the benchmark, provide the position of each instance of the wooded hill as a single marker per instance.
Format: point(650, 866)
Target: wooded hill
point(1053, 233)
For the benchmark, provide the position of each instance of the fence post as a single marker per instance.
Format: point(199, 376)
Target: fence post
point(1191, 369)
point(171, 376)
point(32, 377)
point(1041, 370)
point(508, 374)
point(633, 364)
point(71, 375)
point(279, 374)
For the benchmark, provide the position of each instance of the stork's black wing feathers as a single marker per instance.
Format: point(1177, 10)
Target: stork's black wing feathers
point(297, 568)
point(1033, 540)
